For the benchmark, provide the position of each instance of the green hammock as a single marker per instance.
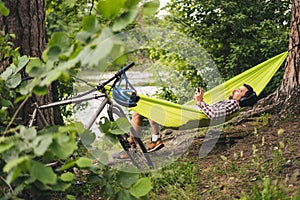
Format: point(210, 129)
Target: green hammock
point(171, 114)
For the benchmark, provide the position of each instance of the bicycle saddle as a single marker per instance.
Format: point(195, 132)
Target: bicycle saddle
point(125, 97)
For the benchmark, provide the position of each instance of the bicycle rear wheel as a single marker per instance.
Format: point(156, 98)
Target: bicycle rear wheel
point(115, 112)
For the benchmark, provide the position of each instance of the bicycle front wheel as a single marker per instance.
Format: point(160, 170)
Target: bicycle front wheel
point(115, 112)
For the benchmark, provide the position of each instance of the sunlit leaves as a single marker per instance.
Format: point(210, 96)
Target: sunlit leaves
point(3, 9)
point(90, 24)
point(151, 7)
point(124, 20)
point(110, 8)
point(14, 163)
point(84, 162)
point(5, 145)
point(58, 44)
point(141, 187)
point(14, 80)
point(11, 75)
point(67, 177)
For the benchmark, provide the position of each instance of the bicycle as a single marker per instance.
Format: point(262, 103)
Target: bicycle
point(114, 111)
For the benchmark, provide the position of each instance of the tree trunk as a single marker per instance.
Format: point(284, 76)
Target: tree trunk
point(27, 21)
point(285, 101)
point(290, 86)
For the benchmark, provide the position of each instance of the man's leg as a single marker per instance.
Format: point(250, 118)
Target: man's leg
point(137, 122)
point(156, 142)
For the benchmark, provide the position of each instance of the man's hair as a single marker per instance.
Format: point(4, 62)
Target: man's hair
point(250, 90)
point(250, 97)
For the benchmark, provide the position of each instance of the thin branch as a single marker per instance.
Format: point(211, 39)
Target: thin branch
point(92, 7)
point(16, 113)
point(10, 188)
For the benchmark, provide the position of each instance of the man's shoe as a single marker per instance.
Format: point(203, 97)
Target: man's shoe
point(124, 155)
point(154, 146)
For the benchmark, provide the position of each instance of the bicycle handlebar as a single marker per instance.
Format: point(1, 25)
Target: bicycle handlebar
point(116, 76)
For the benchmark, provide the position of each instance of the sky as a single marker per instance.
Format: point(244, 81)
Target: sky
point(162, 4)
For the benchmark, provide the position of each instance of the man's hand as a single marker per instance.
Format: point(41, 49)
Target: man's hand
point(198, 95)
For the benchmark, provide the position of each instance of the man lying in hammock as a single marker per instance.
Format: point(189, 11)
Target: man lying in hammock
point(242, 97)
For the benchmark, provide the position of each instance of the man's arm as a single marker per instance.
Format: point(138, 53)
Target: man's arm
point(219, 110)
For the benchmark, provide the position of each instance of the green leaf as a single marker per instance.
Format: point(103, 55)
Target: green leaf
point(131, 4)
point(22, 62)
point(53, 52)
point(120, 126)
point(127, 179)
point(150, 8)
point(6, 74)
point(99, 49)
point(124, 195)
point(42, 173)
point(84, 162)
point(15, 162)
point(41, 144)
point(51, 76)
point(40, 90)
point(61, 186)
point(67, 177)
point(67, 165)
point(13, 174)
point(3, 9)
point(5, 103)
point(71, 197)
point(28, 133)
point(87, 138)
point(104, 124)
point(77, 127)
point(35, 67)
point(124, 20)
point(90, 24)
point(63, 146)
point(5, 146)
point(110, 8)
point(14, 81)
point(100, 155)
point(141, 188)
point(60, 39)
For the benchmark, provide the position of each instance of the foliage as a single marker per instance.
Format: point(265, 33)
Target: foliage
point(3, 9)
point(25, 154)
point(66, 16)
point(42, 163)
point(237, 34)
point(268, 191)
point(177, 180)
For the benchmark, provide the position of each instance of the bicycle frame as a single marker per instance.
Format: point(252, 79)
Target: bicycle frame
point(37, 109)
point(106, 101)
point(78, 99)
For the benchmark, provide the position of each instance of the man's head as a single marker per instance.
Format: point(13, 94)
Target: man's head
point(245, 95)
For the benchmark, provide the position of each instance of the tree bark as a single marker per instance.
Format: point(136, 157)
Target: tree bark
point(284, 102)
point(290, 85)
point(292, 72)
point(27, 21)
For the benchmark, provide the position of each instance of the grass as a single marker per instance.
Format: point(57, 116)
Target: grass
point(263, 165)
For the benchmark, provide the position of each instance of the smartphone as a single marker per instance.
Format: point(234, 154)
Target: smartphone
point(198, 87)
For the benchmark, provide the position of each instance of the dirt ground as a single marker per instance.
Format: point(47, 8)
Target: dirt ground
point(245, 155)
point(234, 159)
